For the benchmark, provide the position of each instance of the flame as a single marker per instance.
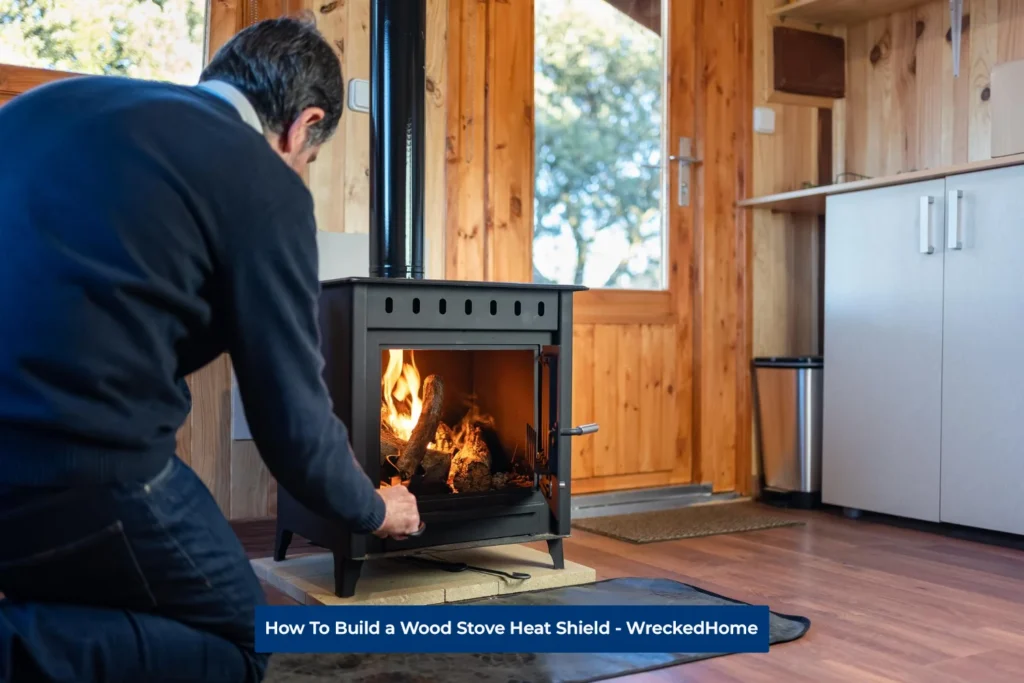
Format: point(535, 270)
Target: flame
point(402, 402)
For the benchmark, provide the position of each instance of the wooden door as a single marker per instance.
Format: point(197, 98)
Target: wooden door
point(883, 350)
point(982, 373)
point(629, 353)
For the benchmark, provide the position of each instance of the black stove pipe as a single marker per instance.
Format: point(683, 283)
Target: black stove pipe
point(397, 61)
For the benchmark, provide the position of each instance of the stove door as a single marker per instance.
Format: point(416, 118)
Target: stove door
point(551, 473)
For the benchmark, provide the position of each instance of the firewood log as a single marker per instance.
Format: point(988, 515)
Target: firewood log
point(390, 444)
point(436, 465)
point(471, 466)
point(426, 426)
point(444, 439)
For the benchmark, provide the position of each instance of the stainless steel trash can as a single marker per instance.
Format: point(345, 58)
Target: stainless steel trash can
point(787, 409)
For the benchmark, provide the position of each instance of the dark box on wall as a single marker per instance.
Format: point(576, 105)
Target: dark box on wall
point(809, 63)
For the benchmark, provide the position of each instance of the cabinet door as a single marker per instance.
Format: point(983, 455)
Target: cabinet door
point(883, 350)
point(983, 353)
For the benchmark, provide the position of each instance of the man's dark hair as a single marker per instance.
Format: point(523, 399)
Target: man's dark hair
point(283, 66)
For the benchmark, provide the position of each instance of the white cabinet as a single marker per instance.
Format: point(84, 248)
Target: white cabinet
point(983, 354)
point(883, 351)
point(924, 328)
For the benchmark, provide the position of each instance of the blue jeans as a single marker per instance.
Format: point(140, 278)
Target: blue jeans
point(125, 582)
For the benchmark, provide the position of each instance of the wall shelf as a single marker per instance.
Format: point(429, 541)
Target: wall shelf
point(812, 200)
point(840, 11)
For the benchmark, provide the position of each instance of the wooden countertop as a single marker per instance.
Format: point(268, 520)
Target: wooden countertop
point(812, 200)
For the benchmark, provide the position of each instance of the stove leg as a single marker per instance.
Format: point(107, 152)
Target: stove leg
point(555, 550)
point(282, 540)
point(346, 574)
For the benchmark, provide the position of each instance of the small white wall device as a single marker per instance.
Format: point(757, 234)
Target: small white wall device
point(359, 95)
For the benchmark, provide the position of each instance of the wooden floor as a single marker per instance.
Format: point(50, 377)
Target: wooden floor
point(886, 603)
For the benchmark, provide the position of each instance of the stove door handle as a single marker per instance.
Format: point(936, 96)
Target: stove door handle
point(581, 430)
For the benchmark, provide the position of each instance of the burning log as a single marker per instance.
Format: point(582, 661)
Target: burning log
point(436, 465)
point(471, 466)
point(390, 445)
point(425, 429)
point(444, 439)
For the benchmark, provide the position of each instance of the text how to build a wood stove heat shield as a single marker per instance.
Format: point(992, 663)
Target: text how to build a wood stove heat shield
point(459, 390)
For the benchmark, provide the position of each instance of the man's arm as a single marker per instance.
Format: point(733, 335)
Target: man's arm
point(272, 288)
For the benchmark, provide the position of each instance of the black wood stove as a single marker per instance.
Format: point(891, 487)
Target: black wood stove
point(501, 351)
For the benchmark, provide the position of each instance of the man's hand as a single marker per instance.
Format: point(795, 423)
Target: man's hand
point(402, 517)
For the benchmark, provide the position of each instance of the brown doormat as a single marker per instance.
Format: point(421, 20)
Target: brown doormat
point(687, 522)
point(531, 668)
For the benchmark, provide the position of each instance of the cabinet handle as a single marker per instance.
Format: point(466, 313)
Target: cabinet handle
point(926, 225)
point(954, 240)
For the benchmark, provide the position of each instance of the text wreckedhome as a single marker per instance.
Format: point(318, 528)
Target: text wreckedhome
point(366, 627)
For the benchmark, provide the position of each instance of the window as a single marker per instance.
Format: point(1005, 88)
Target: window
point(598, 74)
point(150, 39)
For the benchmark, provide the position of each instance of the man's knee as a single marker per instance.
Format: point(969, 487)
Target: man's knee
point(260, 661)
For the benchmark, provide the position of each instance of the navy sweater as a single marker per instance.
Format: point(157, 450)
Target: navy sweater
point(145, 229)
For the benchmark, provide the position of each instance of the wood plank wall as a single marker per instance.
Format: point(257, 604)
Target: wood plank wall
point(671, 393)
point(489, 141)
point(904, 109)
point(785, 245)
point(723, 307)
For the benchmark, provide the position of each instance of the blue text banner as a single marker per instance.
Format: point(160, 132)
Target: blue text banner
point(513, 628)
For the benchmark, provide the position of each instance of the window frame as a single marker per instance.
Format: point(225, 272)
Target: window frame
point(14, 80)
point(223, 20)
point(673, 303)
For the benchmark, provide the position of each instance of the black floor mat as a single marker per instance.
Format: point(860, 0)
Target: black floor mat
point(527, 668)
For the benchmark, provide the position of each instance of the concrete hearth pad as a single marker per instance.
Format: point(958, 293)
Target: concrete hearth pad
point(309, 579)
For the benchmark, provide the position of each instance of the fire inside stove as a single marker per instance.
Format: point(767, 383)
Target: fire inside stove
point(456, 421)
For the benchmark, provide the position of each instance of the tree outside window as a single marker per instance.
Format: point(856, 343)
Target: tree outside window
point(598, 218)
point(150, 39)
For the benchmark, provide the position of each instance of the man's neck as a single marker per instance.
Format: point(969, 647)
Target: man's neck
point(236, 99)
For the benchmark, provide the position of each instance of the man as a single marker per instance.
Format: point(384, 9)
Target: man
point(145, 229)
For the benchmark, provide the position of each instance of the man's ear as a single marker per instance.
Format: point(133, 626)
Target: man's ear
point(297, 135)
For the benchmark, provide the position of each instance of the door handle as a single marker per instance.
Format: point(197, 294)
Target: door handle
point(685, 160)
point(580, 431)
point(926, 225)
point(954, 239)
